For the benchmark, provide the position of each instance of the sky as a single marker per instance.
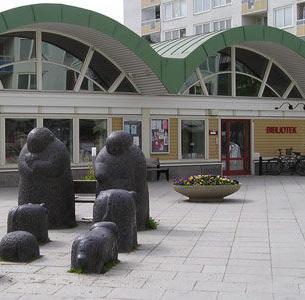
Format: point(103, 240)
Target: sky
point(110, 8)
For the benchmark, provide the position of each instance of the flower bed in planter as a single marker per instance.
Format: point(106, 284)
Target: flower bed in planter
point(201, 188)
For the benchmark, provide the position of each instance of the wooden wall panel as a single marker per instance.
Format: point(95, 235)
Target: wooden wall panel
point(267, 144)
point(117, 124)
point(213, 140)
point(173, 142)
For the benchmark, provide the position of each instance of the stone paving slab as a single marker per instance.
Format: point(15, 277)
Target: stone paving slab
point(250, 246)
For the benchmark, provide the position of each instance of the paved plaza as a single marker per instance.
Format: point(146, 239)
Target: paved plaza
point(250, 246)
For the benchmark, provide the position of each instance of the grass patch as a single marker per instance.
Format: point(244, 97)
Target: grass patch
point(109, 265)
point(76, 271)
point(152, 224)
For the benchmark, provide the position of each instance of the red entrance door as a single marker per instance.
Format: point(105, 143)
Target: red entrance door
point(235, 147)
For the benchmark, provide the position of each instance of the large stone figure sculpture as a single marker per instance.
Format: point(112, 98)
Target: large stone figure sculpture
point(122, 165)
point(92, 250)
point(45, 177)
point(19, 246)
point(118, 206)
point(30, 217)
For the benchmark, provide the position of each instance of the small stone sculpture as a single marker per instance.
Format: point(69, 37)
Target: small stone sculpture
point(30, 217)
point(92, 250)
point(122, 165)
point(19, 246)
point(118, 206)
point(45, 177)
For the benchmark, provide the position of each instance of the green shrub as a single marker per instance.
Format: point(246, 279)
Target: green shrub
point(152, 224)
point(91, 174)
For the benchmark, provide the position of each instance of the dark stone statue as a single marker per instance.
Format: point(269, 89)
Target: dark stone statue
point(45, 177)
point(19, 246)
point(30, 217)
point(118, 206)
point(92, 250)
point(122, 165)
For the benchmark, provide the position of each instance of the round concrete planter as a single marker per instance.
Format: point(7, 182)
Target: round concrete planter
point(206, 193)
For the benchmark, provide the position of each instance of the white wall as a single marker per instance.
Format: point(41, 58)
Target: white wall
point(132, 15)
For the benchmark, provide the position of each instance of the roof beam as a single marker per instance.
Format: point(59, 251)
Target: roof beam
point(266, 75)
point(201, 81)
point(116, 83)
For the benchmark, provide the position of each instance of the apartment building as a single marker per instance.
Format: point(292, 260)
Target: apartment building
point(161, 20)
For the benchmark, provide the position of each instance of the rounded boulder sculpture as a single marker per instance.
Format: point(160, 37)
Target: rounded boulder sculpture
point(30, 217)
point(122, 165)
point(118, 206)
point(92, 250)
point(19, 246)
point(45, 177)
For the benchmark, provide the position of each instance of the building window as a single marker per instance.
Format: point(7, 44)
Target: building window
point(175, 9)
point(283, 17)
point(202, 28)
point(16, 131)
point(175, 34)
point(222, 25)
point(134, 128)
point(150, 13)
point(159, 136)
point(92, 134)
point(201, 6)
point(27, 81)
point(218, 3)
point(63, 130)
point(153, 37)
point(193, 139)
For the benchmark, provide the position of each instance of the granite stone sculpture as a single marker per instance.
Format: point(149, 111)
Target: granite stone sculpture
point(118, 206)
point(92, 250)
point(122, 165)
point(30, 217)
point(19, 246)
point(45, 177)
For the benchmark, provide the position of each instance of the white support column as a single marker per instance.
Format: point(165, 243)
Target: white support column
point(116, 83)
point(201, 80)
point(233, 68)
point(263, 85)
point(287, 92)
point(146, 132)
point(252, 141)
point(84, 70)
point(2, 141)
point(76, 140)
point(39, 59)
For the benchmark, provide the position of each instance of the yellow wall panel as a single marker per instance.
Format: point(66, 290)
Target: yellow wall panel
point(117, 124)
point(267, 144)
point(213, 140)
point(173, 142)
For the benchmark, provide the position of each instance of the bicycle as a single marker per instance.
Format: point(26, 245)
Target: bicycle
point(292, 162)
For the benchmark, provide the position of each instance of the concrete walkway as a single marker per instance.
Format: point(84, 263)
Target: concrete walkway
point(250, 246)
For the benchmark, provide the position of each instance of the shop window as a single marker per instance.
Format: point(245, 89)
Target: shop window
point(278, 80)
point(16, 131)
point(269, 93)
point(19, 76)
point(159, 136)
point(102, 71)
point(63, 130)
point(134, 128)
point(193, 139)
point(294, 93)
point(89, 85)
point(250, 63)
point(58, 78)
point(220, 85)
point(125, 87)
point(196, 90)
point(92, 133)
point(247, 86)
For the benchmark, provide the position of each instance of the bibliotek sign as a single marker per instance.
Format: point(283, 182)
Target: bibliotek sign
point(281, 130)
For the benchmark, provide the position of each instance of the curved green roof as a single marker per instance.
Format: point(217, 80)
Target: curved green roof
point(172, 61)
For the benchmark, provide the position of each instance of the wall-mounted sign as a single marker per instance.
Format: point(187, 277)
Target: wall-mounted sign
point(213, 132)
point(159, 136)
point(281, 130)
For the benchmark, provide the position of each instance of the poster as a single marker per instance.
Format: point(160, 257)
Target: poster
point(159, 136)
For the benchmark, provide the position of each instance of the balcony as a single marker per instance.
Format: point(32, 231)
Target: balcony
point(148, 3)
point(254, 6)
point(151, 26)
point(301, 27)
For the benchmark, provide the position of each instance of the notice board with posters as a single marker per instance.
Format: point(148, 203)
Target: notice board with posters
point(159, 136)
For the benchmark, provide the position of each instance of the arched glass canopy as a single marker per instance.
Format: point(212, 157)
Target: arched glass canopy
point(239, 71)
point(51, 62)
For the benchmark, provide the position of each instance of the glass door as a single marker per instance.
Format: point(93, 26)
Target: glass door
point(235, 147)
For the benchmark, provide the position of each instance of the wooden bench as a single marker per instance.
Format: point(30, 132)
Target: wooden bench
point(154, 165)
